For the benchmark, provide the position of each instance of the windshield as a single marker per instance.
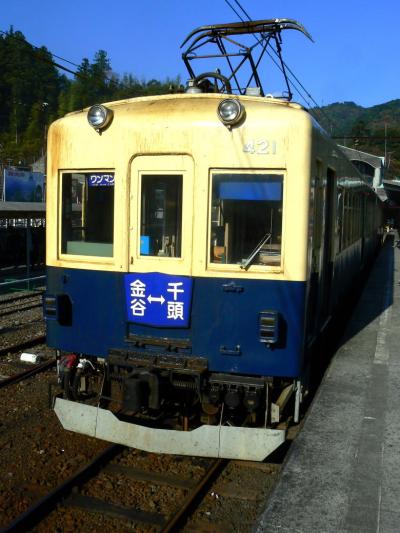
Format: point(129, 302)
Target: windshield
point(246, 219)
point(88, 213)
point(161, 215)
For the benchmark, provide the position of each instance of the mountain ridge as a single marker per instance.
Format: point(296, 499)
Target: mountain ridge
point(365, 128)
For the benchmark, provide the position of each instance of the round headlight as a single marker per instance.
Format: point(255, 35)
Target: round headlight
point(230, 111)
point(99, 117)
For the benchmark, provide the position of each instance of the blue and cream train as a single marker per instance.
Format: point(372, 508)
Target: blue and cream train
point(197, 246)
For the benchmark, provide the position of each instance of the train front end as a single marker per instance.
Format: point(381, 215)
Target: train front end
point(177, 236)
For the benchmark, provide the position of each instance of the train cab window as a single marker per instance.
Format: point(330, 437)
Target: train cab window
point(161, 215)
point(87, 219)
point(246, 219)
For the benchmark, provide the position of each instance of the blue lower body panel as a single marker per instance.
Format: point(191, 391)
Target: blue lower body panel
point(223, 327)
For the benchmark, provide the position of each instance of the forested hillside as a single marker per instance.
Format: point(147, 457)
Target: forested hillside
point(365, 128)
point(34, 92)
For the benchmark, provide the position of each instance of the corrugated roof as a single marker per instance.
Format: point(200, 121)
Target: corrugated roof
point(375, 161)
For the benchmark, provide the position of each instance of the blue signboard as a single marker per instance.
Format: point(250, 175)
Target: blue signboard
point(23, 186)
point(158, 300)
point(101, 180)
point(249, 190)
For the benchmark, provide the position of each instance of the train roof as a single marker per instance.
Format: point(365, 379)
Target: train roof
point(268, 99)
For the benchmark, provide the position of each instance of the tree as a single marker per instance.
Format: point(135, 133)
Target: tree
point(33, 93)
point(29, 89)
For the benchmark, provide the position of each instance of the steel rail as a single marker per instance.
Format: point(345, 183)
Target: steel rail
point(166, 523)
point(6, 304)
point(192, 500)
point(41, 339)
point(32, 516)
point(10, 310)
point(27, 373)
point(26, 296)
point(67, 494)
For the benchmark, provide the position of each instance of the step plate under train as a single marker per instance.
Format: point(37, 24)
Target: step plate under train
point(252, 444)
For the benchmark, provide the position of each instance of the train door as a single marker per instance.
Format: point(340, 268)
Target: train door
point(161, 214)
point(316, 221)
point(327, 251)
point(158, 286)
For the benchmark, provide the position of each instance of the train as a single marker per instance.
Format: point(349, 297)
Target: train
point(198, 246)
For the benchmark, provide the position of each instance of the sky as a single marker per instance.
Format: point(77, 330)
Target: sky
point(355, 56)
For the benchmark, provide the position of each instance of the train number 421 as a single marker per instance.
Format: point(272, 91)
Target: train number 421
point(260, 147)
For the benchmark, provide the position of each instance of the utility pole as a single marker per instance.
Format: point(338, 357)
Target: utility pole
point(44, 110)
point(1, 174)
point(386, 164)
point(16, 122)
point(44, 151)
point(385, 142)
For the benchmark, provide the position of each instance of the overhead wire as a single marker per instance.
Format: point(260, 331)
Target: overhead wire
point(36, 49)
point(77, 74)
point(294, 80)
point(329, 119)
point(296, 83)
point(269, 54)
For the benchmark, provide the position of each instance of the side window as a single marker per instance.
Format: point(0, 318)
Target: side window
point(87, 214)
point(161, 215)
point(246, 219)
point(339, 217)
point(318, 206)
point(346, 225)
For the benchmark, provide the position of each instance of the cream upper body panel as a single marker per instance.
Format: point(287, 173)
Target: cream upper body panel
point(186, 127)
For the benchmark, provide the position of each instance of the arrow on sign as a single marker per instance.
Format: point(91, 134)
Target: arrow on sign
point(159, 299)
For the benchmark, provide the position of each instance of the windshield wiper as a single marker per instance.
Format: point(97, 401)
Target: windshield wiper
point(247, 262)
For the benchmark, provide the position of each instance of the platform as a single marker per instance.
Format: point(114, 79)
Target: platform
point(22, 209)
point(342, 473)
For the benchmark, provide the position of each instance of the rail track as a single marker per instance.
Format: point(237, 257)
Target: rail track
point(25, 374)
point(69, 494)
point(20, 303)
point(21, 323)
point(19, 347)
